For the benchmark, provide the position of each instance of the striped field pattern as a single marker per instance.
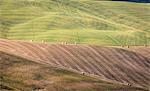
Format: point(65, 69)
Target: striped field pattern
point(142, 50)
point(121, 65)
point(96, 22)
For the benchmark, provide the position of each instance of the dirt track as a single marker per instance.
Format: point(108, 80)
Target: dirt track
point(116, 64)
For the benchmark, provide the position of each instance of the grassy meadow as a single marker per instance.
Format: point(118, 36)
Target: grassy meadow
point(81, 21)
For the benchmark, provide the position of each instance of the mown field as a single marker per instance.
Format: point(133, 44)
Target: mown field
point(80, 21)
point(26, 74)
point(115, 65)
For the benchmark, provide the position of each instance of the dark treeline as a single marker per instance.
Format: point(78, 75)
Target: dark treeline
point(140, 1)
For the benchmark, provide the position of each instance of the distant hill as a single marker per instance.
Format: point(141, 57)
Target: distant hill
point(81, 21)
point(140, 1)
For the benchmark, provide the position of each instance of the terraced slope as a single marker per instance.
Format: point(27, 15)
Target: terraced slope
point(19, 74)
point(111, 64)
point(82, 21)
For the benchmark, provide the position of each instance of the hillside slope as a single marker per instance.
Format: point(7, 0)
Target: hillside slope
point(81, 21)
point(19, 74)
point(111, 64)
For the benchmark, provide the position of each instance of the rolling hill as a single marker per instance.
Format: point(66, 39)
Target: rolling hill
point(81, 21)
point(139, 1)
point(20, 74)
point(74, 45)
point(116, 65)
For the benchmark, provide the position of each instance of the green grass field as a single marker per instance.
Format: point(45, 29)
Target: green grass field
point(81, 21)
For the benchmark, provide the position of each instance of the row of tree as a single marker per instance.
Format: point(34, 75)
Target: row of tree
point(140, 1)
